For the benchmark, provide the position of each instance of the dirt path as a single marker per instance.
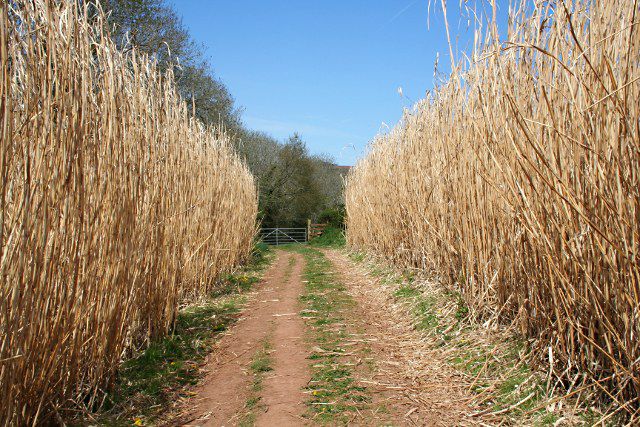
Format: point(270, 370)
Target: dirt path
point(283, 396)
point(270, 320)
point(407, 380)
point(409, 377)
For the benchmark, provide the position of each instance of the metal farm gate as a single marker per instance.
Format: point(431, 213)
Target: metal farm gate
point(282, 236)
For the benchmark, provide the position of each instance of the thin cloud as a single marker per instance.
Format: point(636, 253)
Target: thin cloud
point(400, 12)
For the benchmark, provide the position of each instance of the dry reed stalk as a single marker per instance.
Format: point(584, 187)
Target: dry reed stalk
point(518, 180)
point(115, 205)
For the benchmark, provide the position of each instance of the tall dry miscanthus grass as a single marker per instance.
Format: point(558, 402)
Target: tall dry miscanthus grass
point(114, 206)
point(518, 180)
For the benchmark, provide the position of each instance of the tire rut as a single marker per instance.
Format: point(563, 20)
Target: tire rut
point(409, 377)
point(271, 315)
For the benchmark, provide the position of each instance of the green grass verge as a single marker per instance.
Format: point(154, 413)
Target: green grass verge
point(331, 237)
point(335, 396)
point(148, 382)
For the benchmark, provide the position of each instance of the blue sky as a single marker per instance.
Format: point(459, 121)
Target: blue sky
point(329, 70)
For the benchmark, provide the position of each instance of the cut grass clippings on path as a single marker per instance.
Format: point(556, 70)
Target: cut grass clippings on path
point(147, 383)
point(335, 397)
point(494, 362)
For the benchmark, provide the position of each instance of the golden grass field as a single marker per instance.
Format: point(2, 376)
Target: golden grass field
point(115, 206)
point(517, 181)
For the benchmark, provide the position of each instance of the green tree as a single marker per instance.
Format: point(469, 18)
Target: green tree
point(289, 194)
point(294, 185)
point(154, 28)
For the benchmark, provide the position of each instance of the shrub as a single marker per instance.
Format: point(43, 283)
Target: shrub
point(333, 217)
